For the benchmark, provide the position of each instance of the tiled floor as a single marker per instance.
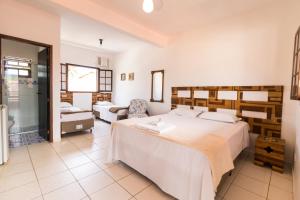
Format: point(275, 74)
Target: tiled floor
point(73, 169)
point(18, 140)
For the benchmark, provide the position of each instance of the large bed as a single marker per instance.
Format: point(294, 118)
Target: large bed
point(179, 170)
point(184, 161)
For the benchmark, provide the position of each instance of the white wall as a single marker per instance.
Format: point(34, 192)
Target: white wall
point(250, 49)
point(82, 56)
point(24, 21)
point(297, 157)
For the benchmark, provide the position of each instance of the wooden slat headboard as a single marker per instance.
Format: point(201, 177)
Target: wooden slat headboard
point(101, 97)
point(263, 116)
point(66, 97)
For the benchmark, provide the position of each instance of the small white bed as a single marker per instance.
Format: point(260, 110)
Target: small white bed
point(183, 172)
point(102, 111)
point(74, 119)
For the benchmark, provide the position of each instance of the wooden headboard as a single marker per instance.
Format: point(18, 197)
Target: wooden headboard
point(68, 97)
point(101, 97)
point(260, 106)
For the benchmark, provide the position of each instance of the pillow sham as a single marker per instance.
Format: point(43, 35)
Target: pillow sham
point(185, 112)
point(220, 116)
point(65, 105)
point(104, 103)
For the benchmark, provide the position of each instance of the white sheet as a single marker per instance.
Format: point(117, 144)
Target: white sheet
point(178, 170)
point(76, 116)
point(105, 114)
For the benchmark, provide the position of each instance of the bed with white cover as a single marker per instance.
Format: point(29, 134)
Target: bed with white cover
point(102, 110)
point(181, 171)
point(74, 119)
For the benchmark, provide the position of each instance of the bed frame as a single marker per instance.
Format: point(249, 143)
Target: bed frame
point(263, 114)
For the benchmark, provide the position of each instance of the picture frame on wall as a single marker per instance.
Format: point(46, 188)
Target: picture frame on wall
point(123, 77)
point(131, 76)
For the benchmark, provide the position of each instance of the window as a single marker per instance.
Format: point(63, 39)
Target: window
point(63, 77)
point(105, 80)
point(20, 67)
point(82, 78)
point(295, 90)
point(157, 86)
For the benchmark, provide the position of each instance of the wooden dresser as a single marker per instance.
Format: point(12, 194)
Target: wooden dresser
point(270, 151)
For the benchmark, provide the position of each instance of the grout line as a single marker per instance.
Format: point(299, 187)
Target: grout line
point(35, 172)
point(269, 184)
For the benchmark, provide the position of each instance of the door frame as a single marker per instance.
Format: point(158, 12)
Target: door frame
point(50, 47)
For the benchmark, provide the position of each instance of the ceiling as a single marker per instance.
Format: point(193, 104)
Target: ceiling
point(171, 17)
point(82, 31)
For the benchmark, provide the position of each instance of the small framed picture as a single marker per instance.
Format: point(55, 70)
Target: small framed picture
point(123, 77)
point(131, 76)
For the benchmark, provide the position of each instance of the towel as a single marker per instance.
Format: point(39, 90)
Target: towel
point(160, 127)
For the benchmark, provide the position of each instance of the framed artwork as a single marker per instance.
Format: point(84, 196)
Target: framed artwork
point(123, 77)
point(131, 76)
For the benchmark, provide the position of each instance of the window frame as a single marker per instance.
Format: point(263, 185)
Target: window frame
point(67, 77)
point(295, 85)
point(105, 77)
point(63, 65)
point(28, 69)
point(162, 85)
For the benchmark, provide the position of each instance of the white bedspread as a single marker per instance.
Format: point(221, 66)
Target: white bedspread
point(76, 116)
point(105, 114)
point(178, 170)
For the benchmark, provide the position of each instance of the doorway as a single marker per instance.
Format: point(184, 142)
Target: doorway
point(26, 89)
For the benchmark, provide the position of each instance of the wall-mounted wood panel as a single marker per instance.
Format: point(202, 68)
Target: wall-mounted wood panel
point(271, 126)
point(66, 97)
point(101, 97)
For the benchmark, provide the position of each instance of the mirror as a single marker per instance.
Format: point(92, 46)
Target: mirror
point(157, 86)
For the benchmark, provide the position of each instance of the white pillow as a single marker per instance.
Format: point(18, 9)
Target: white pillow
point(65, 105)
point(185, 112)
point(219, 116)
point(104, 103)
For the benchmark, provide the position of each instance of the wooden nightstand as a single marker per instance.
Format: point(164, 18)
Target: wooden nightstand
point(270, 151)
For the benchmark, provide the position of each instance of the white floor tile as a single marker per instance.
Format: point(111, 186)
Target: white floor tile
point(95, 182)
point(28, 191)
point(252, 185)
point(282, 183)
point(10, 182)
point(72, 191)
point(50, 170)
point(134, 183)
point(152, 192)
point(112, 192)
point(56, 181)
point(85, 170)
point(119, 171)
point(15, 168)
point(76, 161)
point(259, 173)
point(276, 193)
point(238, 193)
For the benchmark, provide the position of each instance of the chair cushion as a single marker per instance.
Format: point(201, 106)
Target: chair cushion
point(138, 106)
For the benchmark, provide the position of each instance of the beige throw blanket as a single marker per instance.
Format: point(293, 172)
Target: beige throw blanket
point(116, 109)
point(211, 145)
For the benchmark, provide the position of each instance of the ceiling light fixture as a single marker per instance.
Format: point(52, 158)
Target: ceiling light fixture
point(148, 6)
point(101, 41)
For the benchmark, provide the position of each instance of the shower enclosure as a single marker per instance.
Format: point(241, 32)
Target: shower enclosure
point(25, 90)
